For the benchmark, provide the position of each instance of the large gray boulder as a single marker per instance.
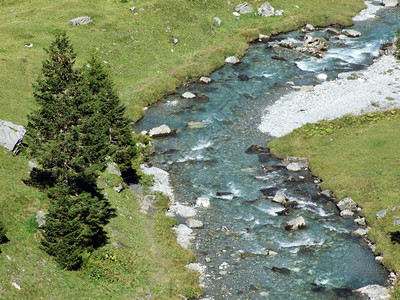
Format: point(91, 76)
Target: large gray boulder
point(232, 60)
point(346, 204)
point(287, 44)
point(374, 292)
point(266, 10)
point(80, 21)
point(280, 198)
point(295, 164)
point(244, 8)
point(11, 135)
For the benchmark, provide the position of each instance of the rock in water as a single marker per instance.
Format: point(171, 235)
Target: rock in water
point(263, 37)
point(390, 3)
point(374, 292)
point(232, 60)
point(295, 224)
point(162, 130)
point(287, 44)
point(351, 33)
point(11, 135)
point(80, 21)
point(188, 95)
point(280, 198)
point(266, 10)
point(205, 79)
point(309, 27)
point(204, 202)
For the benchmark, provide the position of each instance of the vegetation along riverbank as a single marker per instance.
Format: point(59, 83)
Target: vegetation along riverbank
point(149, 51)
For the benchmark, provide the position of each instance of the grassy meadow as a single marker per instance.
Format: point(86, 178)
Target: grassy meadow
point(358, 159)
point(138, 48)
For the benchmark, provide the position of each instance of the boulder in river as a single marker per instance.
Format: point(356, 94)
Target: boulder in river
point(346, 203)
point(314, 46)
point(284, 271)
point(280, 198)
point(374, 292)
point(309, 27)
point(11, 135)
point(188, 95)
point(193, 223)
point(351, 33)
point(160, 131)
point(295, 224)
point(202, 201)
point(256, 149)
point(287, 44)
point(204, 79)
point(263, 38)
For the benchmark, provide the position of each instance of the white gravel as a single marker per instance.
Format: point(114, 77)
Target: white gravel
point(375, 89)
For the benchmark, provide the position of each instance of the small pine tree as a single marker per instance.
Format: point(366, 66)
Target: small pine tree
point(108, 105)
point(62, 234)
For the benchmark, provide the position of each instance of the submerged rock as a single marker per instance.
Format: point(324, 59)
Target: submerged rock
point(256, 149)
point(284, 271)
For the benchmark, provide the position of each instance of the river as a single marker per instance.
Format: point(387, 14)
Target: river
point(322, 261)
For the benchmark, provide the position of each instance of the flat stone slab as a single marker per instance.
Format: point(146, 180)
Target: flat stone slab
point(11, 135)
point(81, 21)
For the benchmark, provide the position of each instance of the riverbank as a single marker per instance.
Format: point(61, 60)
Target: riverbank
point(358, 159)
point(355, 93)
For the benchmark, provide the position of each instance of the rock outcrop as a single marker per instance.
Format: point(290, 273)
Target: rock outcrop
point(11, 135)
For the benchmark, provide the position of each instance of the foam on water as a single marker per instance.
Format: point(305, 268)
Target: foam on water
point(202, 145)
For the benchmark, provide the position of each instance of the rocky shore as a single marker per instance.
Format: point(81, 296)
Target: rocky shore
point(374, 89)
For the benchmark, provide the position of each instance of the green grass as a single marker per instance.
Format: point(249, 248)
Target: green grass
point(358, 161)
point(138, 48)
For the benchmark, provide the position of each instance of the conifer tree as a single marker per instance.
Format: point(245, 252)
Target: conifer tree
point(63, 232)
point(108, 105)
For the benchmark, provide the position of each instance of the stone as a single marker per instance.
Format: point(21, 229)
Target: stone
point(379, 258)
point(316, 43)
point(182, 210)
point(322, 77)
point(381, 213)
point(263, 38)
point(207, 260)
point(332, 31)
point(374, 292)
point(270, 252)
point(309, 27)
point(188, 95)
point(287, 44)
point(218, 20)
point(205, 79)
point(11, 135)
point(295, 224)
point(118, 188)
point(184, 235)
point(396, 223)
point(132, 8)
point(175, 40)
point(232, 60)
point(360, 231)
point(243, 77)
point(203, 202)
point(294, 164)
point(360, 221)
point(246, 10)
point(284, 271)
point(266, 10)
point(81, 21)
point(196, 124)
point(29, 45)
point(240, 6)
point(193, 223)
point(390, 3)
point(236, 14)
point(280, 198)
point(160, 131)
point(255, 149)
point(160, 180)
point(326, 194)
point(279, 13)
point(351, 33)
point(346, 203)
point(31, 164)
point(346, 213)
point(16, 285)
point(41, 218)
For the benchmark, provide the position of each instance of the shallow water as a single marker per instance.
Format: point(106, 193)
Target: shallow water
point(323, 261)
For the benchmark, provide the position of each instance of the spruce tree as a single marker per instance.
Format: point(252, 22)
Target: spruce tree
point(63, 232)
point(109, 107)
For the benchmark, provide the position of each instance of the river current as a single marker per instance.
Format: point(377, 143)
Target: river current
point(322, 261)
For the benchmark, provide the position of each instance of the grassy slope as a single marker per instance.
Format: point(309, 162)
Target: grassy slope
point(138, 48)
point(362, 163)
point(138, 52)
